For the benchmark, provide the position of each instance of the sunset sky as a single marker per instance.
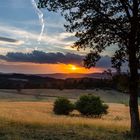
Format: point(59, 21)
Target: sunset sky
point(22, 52)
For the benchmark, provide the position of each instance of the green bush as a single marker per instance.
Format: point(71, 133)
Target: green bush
point(63, 106)
point(91, 106)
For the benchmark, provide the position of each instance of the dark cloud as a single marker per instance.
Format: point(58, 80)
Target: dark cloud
point(42, 57)
point(5, 39)
point(52, 58)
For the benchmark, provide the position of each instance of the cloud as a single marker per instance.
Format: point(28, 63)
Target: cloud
point(5, 40)
point(57, 42)
point(42, 57)
point(30, 37)
point(52, 58)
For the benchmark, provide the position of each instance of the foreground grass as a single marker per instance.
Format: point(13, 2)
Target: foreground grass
point(36, 121)
point(26, 131)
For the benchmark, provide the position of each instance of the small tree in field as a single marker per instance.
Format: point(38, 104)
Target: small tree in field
point(90, 105)
point(62, 106)
point(99, 24)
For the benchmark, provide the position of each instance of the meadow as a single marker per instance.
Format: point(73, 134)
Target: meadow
point(108, 96)
point(28, 115)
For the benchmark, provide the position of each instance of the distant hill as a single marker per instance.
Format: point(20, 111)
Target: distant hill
point(55, 81)
point(76, 75)
point(58, 75)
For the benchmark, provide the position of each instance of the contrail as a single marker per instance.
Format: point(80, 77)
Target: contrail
point(41, 19)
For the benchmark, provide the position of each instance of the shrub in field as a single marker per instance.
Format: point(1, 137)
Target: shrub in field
point(63, 106)
point(91, 106)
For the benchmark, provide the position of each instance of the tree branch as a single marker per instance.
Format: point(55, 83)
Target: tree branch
point(126, 9)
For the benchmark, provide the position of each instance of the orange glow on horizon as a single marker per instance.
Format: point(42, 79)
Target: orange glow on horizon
point(34, 68)
point(70, 68)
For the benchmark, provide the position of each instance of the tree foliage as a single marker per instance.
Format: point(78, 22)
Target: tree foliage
point(63, 106)
point(91, 105)
point(99, 24)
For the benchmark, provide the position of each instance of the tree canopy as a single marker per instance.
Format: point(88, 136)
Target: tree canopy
point(98, 24)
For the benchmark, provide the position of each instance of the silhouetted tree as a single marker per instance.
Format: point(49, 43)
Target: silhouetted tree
point(99, 24)
point(117, 60)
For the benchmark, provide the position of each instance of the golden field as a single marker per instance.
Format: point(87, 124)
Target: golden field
point(36, 121)
point(25, 116)
point(41, 113)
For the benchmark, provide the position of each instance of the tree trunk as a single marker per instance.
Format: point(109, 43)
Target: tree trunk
point(133, 89)
point(134, 113)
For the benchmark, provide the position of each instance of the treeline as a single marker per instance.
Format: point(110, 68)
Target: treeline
point(15, 81)
point(21, 81)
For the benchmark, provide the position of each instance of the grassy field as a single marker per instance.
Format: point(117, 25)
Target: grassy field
point(109, 96)
point(33, 118)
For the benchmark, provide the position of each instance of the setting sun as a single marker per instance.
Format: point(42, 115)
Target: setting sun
point(73, 67)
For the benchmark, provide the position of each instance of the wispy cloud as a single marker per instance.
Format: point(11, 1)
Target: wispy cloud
point(5, 40)
point(29, 37)
point(20, 33)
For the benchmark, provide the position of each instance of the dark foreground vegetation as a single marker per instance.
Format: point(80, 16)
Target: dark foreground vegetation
point(10, 130)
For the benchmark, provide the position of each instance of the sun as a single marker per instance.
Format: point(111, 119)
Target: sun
point(73, 67)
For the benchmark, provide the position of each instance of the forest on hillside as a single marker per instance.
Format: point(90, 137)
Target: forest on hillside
point(21, 81)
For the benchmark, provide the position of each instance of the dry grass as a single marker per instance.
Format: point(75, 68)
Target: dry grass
point(36, 121)
point(41, 112)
